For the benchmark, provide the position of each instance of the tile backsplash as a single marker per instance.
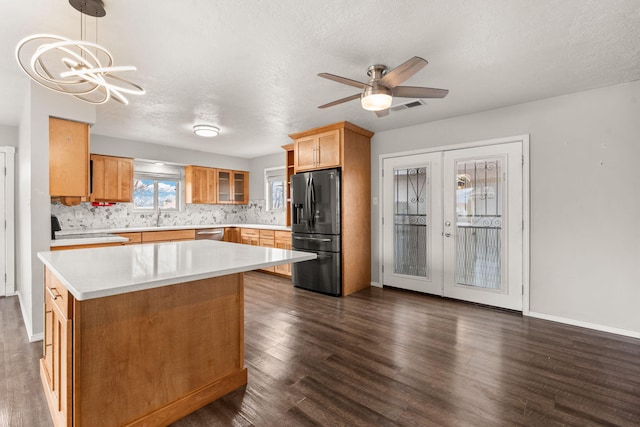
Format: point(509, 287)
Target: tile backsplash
point(87, 217)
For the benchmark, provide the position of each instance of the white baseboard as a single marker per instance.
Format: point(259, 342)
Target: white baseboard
point(582, 324)
point(36, 337)
point(376, 284)
point(27, 323)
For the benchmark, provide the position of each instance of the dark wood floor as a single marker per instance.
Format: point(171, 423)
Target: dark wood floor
point(384, 357)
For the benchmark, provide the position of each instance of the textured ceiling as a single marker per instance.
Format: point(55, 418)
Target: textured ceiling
point(250, 67)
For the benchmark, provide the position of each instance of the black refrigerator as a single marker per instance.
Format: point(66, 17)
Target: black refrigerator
point(315, 226)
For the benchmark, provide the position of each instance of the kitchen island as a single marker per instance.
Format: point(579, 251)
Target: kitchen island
point(146, 334)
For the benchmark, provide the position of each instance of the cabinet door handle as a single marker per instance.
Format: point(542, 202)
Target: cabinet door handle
point(53, 296)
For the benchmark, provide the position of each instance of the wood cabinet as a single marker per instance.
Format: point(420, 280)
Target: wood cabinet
point(221, 186)
point(289, 171)
point(56, 365)
point(318, 151)
point(200, 184)
point(267, 240)
point(112, 179)
point(167, 236)
point(232, 235)
point(134, 238)
point(233, 187)
point(89, 246)
point(250, 236)
point(158, 236)
point(68, 160)
point(282, 240)
point(347, 146)
point(148, 357)
point(240, 187)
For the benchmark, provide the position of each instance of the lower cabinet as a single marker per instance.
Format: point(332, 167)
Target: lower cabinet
point(269, 239)
point(56, 365)
point(250, 236)
point(232, 235)
point(138, 359)
point(168, 236)
point(283, 241)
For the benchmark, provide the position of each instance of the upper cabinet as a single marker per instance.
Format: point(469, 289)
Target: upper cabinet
point(318, 151)
point(222, 186)
point(68, 160)
point(112, 179)
point(240, 187)
point(290, 165)
point(233, 187)
point(200, 184)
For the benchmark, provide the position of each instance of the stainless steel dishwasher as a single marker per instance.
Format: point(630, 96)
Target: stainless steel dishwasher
point(210, 234)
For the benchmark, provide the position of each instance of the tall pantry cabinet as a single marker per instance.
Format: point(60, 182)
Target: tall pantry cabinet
point(348, 147)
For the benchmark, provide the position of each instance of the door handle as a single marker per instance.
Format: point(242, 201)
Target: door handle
point(447, 234)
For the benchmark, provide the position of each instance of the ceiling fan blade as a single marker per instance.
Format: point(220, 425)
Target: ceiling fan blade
point(418, 92)
point(382, 113)
point(340, 101)
point(403, 71)
point(343, 80)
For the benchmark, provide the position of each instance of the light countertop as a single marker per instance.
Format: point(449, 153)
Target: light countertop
point(106, 235)
point(87, 239)
point(106, 271)
point(169, 227)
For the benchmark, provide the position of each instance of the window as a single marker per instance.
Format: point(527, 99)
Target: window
point(154, 194)
point(274, 179)
point(157, 187)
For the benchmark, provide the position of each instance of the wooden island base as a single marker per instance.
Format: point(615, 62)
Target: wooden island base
point(144, 358)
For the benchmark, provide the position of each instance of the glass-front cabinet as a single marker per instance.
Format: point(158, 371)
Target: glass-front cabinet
point(221, 186)
point(240, 187)
point(233, 187)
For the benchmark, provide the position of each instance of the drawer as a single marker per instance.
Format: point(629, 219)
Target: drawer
point(250, 232)
point(164, 236)
point(58, 293)
point(133, 237)
point(267, 234)
point(283, 235)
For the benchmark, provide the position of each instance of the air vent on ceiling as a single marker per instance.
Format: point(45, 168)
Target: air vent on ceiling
point(408, 105)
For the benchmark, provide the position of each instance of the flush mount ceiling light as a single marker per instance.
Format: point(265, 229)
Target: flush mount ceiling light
point(207, 131)
point(376, 98)
point(76, 67)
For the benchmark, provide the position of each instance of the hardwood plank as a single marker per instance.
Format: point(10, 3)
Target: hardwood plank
point(389, 357)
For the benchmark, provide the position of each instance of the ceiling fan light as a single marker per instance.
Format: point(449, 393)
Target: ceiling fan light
point(376, 98)
point(206, 131)
point(376, 102)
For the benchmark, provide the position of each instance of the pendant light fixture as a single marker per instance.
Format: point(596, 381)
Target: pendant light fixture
point(76, 67)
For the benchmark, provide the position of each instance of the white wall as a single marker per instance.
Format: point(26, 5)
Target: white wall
point(9, 136)
point(585, 241)
point(33, 201)
point(257, 167)
point(142, 150)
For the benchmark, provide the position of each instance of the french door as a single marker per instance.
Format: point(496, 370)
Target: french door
point(412, 229)
point(452, 224)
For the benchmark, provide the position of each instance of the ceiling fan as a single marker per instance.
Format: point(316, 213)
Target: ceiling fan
point(378, 93)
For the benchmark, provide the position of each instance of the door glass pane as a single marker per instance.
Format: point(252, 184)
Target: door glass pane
point(410, 221)
point(479, 206)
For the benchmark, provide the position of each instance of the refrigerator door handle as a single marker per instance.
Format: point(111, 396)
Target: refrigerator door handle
point(312, 206)
point(312, 239)
point(307, 203)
